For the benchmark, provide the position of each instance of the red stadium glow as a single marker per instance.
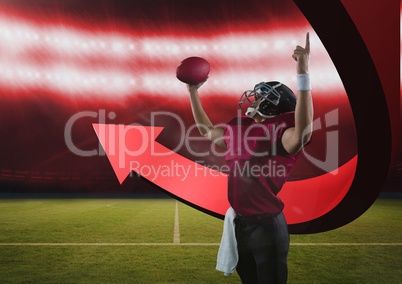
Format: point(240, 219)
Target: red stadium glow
point(75, 62)
point(60, 61)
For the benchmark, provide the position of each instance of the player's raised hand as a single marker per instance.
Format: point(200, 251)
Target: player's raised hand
point(301, 55)
point(196, 86)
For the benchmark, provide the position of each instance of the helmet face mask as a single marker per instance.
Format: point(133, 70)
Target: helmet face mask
point(268, 99)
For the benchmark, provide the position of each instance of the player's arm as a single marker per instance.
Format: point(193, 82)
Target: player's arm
point(296, 137)
point(204, 124)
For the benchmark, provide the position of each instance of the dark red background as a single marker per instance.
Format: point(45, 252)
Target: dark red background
point(34, 157)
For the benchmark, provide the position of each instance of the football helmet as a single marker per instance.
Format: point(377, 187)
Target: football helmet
point(268, 99)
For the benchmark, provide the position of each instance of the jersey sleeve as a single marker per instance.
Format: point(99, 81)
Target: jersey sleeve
point(286, 121)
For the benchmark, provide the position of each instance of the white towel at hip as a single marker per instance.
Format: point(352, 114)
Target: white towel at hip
point(227, 255)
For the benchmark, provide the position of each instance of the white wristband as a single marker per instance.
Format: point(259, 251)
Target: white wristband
point(303, 82)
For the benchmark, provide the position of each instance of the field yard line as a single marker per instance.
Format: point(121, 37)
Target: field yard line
point(109, 244)
point(176, 230)
point(346, 244)
point(189, 244)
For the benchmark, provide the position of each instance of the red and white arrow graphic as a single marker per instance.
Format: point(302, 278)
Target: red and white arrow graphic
point(133, 147)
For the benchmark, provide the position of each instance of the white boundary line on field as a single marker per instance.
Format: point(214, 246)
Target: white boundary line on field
point(346, 244)
point(189, 244)
point(176, 229)
point(109, 244)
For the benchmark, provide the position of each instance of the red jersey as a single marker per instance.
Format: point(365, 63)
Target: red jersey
point(257, 162)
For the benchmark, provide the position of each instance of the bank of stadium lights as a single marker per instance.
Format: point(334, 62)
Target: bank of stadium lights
point(67, 80)
point(76, 43)
point(15, 39)
point(98, 85)
point(209, 47)
point(21, 37)
point(67, 77)
point(73, 41)
point(114, 82)
point(117, 83)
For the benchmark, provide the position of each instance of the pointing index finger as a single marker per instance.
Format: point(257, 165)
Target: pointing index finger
point(307, 42)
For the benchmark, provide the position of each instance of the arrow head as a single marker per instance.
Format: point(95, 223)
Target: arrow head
point(125, 143)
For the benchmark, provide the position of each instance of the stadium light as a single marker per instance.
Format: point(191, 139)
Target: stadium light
point(74, 62)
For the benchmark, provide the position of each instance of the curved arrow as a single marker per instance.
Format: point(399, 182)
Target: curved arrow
point(133, 148)
point(308, 199)
point(344, 44)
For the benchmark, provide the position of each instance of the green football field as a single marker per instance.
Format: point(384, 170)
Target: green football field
point(165, 241)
